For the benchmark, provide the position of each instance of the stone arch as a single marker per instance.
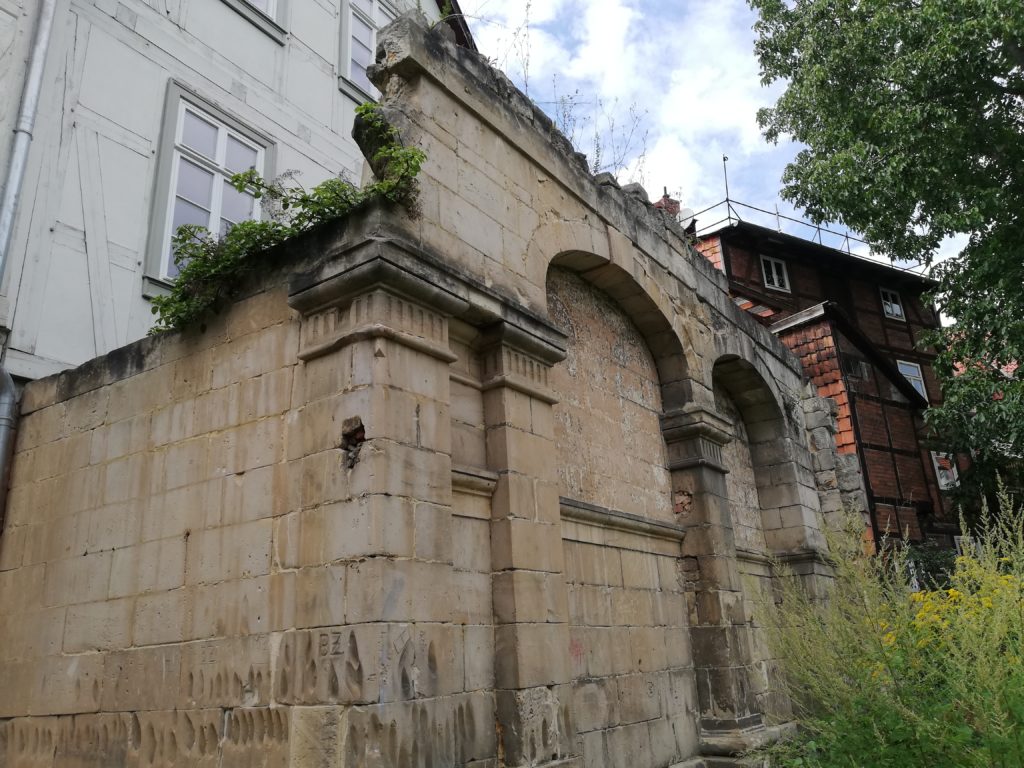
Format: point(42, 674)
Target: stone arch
point(610, 402)
point(650, 313)
point(621, 537)
point(763, 426)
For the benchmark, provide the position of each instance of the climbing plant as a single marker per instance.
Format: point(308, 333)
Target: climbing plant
point(212, 268)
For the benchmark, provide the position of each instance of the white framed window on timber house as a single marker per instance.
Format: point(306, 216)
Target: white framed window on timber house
point(201, 148)
point(945, 470)
point(266, 15)
point(912, 373)
point(360, 22)
point(775, 275)
point(892, 306)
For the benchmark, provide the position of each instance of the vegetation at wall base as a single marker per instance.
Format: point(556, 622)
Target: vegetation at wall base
point(212, 268)
point(885, 675)
point(911, 121)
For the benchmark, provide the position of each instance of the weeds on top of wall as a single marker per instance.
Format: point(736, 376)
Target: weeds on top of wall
point(882, 674)
point(212, 268)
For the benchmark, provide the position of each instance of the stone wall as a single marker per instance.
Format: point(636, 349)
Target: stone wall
point(495, 484)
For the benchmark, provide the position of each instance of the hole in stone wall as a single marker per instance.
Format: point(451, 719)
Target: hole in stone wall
point(353, 435)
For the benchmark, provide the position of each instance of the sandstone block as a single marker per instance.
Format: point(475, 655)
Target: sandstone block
point(163, 617)
point(141, 679)
point(531, 654)
point(529, 596)
point(522, 544)
point(595, 704)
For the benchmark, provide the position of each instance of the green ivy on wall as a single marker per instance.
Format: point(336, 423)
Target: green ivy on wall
point(212, 268)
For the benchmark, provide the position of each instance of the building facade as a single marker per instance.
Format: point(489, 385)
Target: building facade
point(147, 107)
point(857, 326)
point(498, 482)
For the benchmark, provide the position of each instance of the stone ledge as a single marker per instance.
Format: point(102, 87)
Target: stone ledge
point(474, 481)
point(581, 511)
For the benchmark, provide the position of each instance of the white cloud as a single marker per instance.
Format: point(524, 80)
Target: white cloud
point(605, 56)
point(688, 64)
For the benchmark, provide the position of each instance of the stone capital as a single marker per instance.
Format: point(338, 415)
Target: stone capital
point(695, 437)
point(517, 359)
point(378, 313)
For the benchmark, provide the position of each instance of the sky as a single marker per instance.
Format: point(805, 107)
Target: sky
point(684, 68)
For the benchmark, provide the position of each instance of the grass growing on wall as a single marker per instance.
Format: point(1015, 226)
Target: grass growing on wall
point(212, 268)
point(882, 674)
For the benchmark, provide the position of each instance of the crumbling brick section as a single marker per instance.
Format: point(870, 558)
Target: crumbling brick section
point(711, 247)
point(816, 347)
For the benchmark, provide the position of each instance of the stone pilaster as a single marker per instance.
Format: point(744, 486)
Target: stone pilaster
point(718, 626)
point(373, 460)
point(528, 587)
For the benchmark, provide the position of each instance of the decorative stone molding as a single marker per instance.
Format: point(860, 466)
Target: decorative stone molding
point(379, 256)
point(378, 313)
point(580, 511)
point(695, 437)
point(520, 361)
point(474, 481)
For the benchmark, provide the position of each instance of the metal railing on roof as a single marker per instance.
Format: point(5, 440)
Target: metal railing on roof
point(727, 212)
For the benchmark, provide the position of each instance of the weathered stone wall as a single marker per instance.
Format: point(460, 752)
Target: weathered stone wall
point(493, 485)
point(610, 449)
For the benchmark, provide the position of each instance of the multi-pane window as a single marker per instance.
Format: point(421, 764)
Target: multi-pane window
point(891, 304)
point(365, 18)
point(912, 373)
point(207, 152)
point(775, 275)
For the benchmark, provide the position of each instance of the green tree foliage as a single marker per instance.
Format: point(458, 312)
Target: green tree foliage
point(211, 268)
point(885, 675)
point(912, 117)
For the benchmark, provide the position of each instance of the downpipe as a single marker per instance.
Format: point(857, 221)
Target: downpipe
point(8, 422)
point(23, 129)
point(13, 180)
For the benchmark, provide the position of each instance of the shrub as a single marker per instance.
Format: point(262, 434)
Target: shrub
point(882, 675)
point(211, 268)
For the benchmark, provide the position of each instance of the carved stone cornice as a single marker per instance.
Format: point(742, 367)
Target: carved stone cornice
point(581, 511)
point(512, 358)
point(474, 481)
point(376, 314)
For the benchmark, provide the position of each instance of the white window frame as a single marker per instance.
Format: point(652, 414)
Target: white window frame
point(179, 98)
point(270, 13)
point(777, 267)
point(945, 484)
point(381, 10)
point(915, 378)
point(968, 546)
point(271, 21)
point(892, 304)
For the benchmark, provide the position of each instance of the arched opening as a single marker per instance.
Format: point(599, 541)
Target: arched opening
point(648, 314)
point(759, 480)
point(632, 666)
point(610, 447)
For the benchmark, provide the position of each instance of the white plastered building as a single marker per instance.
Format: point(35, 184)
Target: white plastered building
point(145, 109)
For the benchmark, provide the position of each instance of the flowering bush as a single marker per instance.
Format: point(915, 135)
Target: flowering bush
point(881, 674)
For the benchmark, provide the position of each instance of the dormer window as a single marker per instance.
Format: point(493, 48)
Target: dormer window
point(775, 275)
point(891, 304)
